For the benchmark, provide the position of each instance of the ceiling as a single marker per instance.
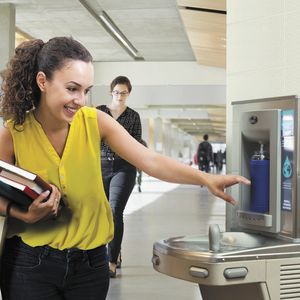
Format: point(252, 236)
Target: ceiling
point(195, 30)
point(205, 25)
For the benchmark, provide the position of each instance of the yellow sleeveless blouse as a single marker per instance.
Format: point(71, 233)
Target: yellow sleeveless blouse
point(86, 221)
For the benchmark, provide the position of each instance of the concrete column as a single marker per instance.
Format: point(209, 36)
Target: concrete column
point(7, 33)
point(145, 130)
point(174, 143)
point(167, 139)
point(193, 146)
point(158, 134)
point(187, 148)
point(151, 133)
point(7, 45)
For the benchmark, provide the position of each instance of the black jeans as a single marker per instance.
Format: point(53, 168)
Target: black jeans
point(119, 180)
point(44, 273)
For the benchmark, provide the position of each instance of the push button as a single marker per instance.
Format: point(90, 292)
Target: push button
point(233, 273)
point(155, 260)
point(198, 272)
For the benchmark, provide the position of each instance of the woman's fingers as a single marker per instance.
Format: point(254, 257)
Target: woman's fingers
point(46, 205)
point(221, 182)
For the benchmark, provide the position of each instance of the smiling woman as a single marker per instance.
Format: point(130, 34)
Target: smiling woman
point(47, 131)
point(50, 132)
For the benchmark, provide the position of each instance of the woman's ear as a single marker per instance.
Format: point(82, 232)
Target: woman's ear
point(41, 80)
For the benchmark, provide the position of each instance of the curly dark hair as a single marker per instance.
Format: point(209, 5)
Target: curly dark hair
point(121, 80)
point(19, 90)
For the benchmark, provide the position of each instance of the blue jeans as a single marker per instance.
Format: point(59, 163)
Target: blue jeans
point(118, 180)
point(44, 273)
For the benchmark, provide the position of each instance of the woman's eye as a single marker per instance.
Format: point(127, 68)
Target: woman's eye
point(71, 89)
point(86, 92)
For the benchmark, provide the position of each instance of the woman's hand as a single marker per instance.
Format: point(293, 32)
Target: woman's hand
point(218, 183)
point(3, 206)
point(42, 208)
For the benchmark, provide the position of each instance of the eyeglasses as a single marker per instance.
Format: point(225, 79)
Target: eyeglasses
point(117, 93)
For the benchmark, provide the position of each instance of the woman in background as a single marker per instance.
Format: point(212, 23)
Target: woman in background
point(119, 175)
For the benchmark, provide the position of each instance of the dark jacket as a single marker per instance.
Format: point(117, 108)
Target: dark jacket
point(204, 152)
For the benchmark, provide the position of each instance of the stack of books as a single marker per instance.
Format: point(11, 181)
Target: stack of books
point(19, 185)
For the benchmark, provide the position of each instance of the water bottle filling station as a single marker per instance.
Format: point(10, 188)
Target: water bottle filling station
point(257, 257)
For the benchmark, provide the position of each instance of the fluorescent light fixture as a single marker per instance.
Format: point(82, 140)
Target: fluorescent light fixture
point(118, 34)
point(108, 24)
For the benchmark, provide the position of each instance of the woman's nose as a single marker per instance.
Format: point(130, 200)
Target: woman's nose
point(80, 100)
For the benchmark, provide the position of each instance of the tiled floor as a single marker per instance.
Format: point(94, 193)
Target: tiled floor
point(162, 210)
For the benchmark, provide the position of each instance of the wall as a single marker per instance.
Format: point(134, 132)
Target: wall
point(7, 29)
point(163, 84)
point(160, 73)
point(263, 51)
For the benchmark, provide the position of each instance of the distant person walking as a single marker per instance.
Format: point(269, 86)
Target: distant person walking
point(204, 154)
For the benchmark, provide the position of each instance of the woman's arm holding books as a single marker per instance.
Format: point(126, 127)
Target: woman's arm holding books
point(39, 209)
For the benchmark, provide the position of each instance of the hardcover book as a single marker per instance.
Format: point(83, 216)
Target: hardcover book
point(23, 176)
point(11, 176)
point(14, 195)
point(19, 185)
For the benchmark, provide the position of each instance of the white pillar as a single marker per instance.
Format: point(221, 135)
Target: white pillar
point(174, 144)
point(145, 130)
point(158, 134)
point(167, 139)
point(7, 33)
point(7, 45)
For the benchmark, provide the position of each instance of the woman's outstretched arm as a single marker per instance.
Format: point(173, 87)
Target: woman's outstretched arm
point(160, 166)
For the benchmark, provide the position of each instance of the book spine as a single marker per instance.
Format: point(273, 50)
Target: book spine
point(31, 193)
point(43, 184)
